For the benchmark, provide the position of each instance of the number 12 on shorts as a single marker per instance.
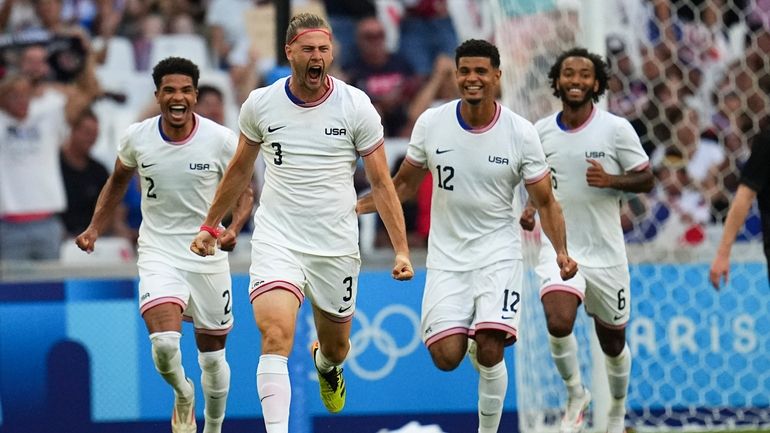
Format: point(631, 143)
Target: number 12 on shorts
point(510, 303)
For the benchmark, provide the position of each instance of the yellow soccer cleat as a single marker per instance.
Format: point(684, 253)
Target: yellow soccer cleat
point(332, 385)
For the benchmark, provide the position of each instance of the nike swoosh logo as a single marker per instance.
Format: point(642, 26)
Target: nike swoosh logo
point(269, 395)
point(224, 322)
point(439, 151)
point(485, 414)
point(270, 129)
point(506, 317)
point(548, 155)
point(618, 317)
point(342, 310)
point(147, 165)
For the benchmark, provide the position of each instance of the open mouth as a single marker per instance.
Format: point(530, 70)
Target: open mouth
point(177, 111)
point(314, 73)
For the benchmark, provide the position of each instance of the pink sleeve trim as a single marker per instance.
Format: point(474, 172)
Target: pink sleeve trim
point(640, 167)
point(537, 178)
point(371, 149)
point(413, 162)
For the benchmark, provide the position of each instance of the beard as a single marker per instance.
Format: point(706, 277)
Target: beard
point(571, 103)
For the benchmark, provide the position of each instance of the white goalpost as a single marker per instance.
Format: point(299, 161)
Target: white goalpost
point(701, 358)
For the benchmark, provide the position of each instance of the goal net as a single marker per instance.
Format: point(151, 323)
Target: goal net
point(692, 78)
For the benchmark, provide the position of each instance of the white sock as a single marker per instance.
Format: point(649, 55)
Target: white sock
point(322, 363)
point(215, 381)
point(618, 371)
point(564, 354)
point(493, 383)
point(274, 390)
point(168, 362)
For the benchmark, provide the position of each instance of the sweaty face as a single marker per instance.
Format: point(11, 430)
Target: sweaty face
point(577, 81)
point(176, 96)
point(310, 56)
point(477, 79)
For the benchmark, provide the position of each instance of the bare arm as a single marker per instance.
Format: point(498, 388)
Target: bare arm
point(406, 182)
point(736, 216)
point(388, 206)
point(109, 199)
point(631, 181)
point(240, 215)
point(552, 220)
point(232, 186)
point(85, 89)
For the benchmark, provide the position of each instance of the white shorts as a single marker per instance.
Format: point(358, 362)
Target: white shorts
point(206, 299)
point(331, 283)
point(605, 292)
point(468, 301)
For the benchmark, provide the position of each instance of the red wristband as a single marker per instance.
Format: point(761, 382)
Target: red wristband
point(211, 230)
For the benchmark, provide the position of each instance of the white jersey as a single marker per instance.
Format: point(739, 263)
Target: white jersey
point(178, 181)
point(592, 215)
point(474, 171)
point(310, 149)
point(30, 172)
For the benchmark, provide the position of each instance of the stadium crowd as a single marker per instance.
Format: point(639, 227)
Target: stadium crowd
point(692, 76)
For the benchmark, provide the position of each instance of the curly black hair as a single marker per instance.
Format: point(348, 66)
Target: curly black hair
point(600, 69)
point(478, 48)
point(175, 65)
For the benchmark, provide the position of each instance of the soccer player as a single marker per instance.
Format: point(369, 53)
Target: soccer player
point(181, 158)
point(477, 152)
point(595, 157)
point(755, 183)
point(312, 128)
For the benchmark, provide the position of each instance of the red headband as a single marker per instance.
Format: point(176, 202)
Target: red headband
point(308, 31)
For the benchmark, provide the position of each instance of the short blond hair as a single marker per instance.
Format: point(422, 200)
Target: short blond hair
point(305, 20)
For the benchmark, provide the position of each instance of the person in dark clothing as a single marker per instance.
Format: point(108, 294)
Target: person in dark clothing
point(83, 176)
point(754, 183)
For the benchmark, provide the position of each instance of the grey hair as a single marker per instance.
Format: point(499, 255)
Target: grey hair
point(305, 21)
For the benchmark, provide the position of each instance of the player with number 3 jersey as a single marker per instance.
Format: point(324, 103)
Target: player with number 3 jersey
point(311, 129)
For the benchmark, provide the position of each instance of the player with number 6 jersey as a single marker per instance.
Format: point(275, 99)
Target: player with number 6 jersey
point(595, 157)
point(477, 152)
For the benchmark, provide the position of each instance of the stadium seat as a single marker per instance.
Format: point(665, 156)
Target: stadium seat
point(120, 53)
point(192, 47)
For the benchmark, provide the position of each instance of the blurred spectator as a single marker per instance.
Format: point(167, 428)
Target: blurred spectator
point(226, 24)
point(211, 103)
point(35, 120)
point(150, 26)
point(17, 15)
point(426, 32)
point(627, 92)
point(387, 78)
point(83, 176)
point(343, 16)
point(676, 212)
point(440, 88)
point(29, 202)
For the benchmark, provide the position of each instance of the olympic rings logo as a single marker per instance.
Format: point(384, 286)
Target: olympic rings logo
point(373, 336)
